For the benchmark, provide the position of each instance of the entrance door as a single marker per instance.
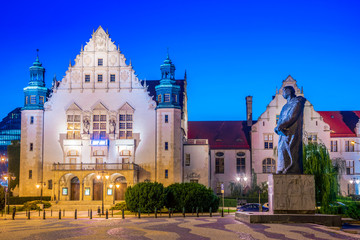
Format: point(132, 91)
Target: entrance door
point(75, 189)
point(120, 188)
point(97, 190)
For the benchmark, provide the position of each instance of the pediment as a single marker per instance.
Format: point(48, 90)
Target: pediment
point(126, 107)
point(74, 107)
point(99, 106)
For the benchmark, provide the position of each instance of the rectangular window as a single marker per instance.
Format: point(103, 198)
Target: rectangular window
point(100, 62)
point(333, 146)
point(30, 174)
point(99, 126)
point(219, 165)
point(349, 146)
point(109, 191)
point(73, 126)
point(87, 191)
point(50, 184)
point(100, 78)
point(312, 138)
point(166, 146)
point(122, 125)
point(268, 141)
point(240, 165)
point(166, 118)
point(159, 98)
point(32, 99)
point(31, 146)
point(87, 78)
point(166, 173)
point(112, 77)
point(187, 159)
point(166, 97)
point(350, 166)
point(126, 126)
point(31, 120)
point(41, 99)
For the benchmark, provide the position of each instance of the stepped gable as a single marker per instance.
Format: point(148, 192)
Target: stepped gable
point(342, 123)
point(221, 134)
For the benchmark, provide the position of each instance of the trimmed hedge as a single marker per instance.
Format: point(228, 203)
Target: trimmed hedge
point(22, 200)
point(34, 205)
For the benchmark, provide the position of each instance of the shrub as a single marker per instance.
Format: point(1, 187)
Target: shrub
point(353, 211)
point(22, 200)
point(120, 206)
point(146, 195)
point(190, 196)
point(34, 205)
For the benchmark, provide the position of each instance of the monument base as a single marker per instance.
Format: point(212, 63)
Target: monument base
point(266, 217)
point(291, 194)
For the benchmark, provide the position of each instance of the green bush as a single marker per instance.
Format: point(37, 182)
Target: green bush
point(353, 211)
point(34, 205)
point(22, 200)
point(2, 198)
point(190, 196)
point(146, 195)
point(120, 206)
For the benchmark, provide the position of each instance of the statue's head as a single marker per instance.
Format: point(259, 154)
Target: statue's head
point(288, 91)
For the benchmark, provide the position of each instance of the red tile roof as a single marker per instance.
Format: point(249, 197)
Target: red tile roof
point(342, 123)
point(221, 134)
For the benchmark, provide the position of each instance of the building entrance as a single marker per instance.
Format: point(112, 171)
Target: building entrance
point(97, 190)
point(75, 189)
point(120, 188)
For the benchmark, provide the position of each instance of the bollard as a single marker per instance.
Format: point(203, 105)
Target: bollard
point(2, 213)
point(222, 212)
point(29, 215)
point(59, 213)
point(98, 210)
point(112, 212)
point(139, 214)
point(183, 210)
point(75, 214)
point(8, 209)
point(107, 214)
point(202, 211)
point(44, 217)
point(169, 212)
point(210, 212)
point(122, 213)
point(51, 212)
point(64, 213)
point(90, 213)
point(155, 212)
point(13, 214)
point(228, 210)
point(197, 212)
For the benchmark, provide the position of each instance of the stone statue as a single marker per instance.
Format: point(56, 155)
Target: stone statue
point(289, 129)
point(86, 126)
point(112, 126)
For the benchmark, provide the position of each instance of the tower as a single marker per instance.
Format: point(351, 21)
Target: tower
point(169, 133)
point(32, 133)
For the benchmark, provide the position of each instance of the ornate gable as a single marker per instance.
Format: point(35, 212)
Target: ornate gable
point(127, 108)
point(99, 107)
point(290, 81)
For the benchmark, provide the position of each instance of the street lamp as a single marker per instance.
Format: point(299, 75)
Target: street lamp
point(101, 176)
point(8, 179)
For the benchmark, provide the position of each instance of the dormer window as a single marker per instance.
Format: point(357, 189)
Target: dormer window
point(159, 98)
point(100, 62)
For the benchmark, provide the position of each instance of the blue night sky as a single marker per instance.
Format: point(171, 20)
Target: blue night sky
point(230, 49)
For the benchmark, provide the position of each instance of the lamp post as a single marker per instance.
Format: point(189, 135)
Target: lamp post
point(101, 176)
point(8, 177)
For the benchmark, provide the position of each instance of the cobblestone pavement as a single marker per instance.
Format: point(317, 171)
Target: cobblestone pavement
point(162, 228)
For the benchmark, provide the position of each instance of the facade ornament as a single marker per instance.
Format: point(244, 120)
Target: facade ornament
point(192, 175)
point(86, 128)
point(112, 126)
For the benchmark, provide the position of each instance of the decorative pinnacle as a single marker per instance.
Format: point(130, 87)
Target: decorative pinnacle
point(70, 63)
point(167, 52)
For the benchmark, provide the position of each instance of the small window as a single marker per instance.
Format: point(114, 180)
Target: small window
point(350, 167)
point(41, 99)
point(268, 165)
point(166, 97)
point(87, 78)
point(112, 77)
point(268, 141)
point(26, 99)
point(166, 118)
point(166, 146)
point(50, 184)
point(219, 154)
point(100, 78)
point(187, 159)
point(64, 191)
point(100, 62)
point(349, 146)
point(174, 98)
point(166, 173)
point(333, 146)
point(31, 146)
point(30, 174)
point(159, 98)
point(32, 99)
point(31, 120)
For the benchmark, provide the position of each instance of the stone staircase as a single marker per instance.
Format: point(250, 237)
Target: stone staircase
point(79, 205)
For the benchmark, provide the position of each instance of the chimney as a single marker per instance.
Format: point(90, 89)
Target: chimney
point(249, 110)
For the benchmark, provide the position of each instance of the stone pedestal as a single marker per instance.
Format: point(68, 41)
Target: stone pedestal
point(291, 194)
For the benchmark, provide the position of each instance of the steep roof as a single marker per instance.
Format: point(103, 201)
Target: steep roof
point(342, 123)
point(151, 88)
point(221, 134)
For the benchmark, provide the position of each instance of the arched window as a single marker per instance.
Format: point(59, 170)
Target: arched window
point(240, 163)
point(268, 165)
point(219, 162)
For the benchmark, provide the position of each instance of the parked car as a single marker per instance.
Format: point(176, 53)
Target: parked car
point(251, 207)
point(266, 205)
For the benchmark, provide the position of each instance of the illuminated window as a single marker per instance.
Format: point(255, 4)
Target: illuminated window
point(349, 147)
point(159, 98)
point(100, 78)
point(32, 99)
point(240, 162)
point(30, 174)
point(41, 99)
point(166, 146)
point(350, 166)
point(112, 77)
point(99, 126)
point(100, 62)
point(126, 125)
point(87, 78)
point(268, 165)
point(187, 159)
point(268, 141)
point(73, 127)
point(166, 118)
point(166, 97)
point(219, 162)
point(333, 146)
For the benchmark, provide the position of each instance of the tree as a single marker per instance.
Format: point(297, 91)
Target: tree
point(2, 197)
point(317, 162)
point(13, 152)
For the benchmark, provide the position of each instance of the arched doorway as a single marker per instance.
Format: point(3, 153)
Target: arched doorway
point(75, 189)
point(97, 189)
point(120, 188)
